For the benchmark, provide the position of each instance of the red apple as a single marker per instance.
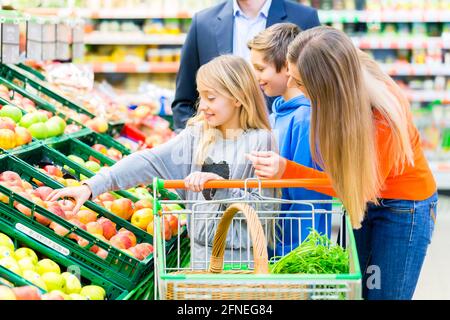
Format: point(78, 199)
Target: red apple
point(167, 231)
point(114, 154)
point(130, 235)
point(123, 208)
point(9, 176)
point(79, 225)
point(53, 171)
point(42, 220)
point(91, 158)
point(22, 135)
point(109, 227)
point(136, 253)
point(100, 148)
point(43, 192)
point(86, 216)
point(70, 214)
point(27, 186)
point(66, 205)
point(121, 241)
point(7, 123)
point(52, 296)
point(106, 197)
point(56, 209)
point(173, 223)
point(71, 128)
point(27, 293)
point(144, 203)
point(59, 230)
point(95, 228)
point(145, 249)
point(102, 253)
point(107, 205)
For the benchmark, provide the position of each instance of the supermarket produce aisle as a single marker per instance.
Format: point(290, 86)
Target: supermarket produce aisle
point(434, 281)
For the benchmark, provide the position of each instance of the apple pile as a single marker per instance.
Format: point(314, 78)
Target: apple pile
point(112, 153)
point(55, 127)
point(86, 219)
point(44, 273)
point(11, 135)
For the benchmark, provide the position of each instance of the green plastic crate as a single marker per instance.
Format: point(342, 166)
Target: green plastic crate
point(94, 138)
point(120, 268)
point(12, 72)
point(73, 146)
point(40, 103)
point(10, 228)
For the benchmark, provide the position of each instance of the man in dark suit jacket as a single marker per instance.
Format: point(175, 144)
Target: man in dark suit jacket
point(211, 35)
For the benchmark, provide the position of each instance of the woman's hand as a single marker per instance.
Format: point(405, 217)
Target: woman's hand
point(267, 164)
point(80, 194)
point(196, 180)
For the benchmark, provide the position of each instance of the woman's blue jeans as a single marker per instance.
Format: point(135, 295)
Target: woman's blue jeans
point(392, 244)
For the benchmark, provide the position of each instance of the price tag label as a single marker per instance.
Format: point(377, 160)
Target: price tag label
point(37, 236)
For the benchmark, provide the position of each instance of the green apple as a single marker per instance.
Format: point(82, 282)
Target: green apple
point(83, 177)
point(47, 265)
point(70, 170)
point(92, 165)
point(29, 119)
point(6, 241)
point(57, 122)
point(11, 264)
point(73, 285)
point(11, 112)
point(76, 296)
point(6, 252)
point(38, 130)
point(52, 129)
point(143, 193)
point(34, 278)
point(174, 207)
point(54, 281)
point(93, 292)
point(42, 116)
point(21, 253)
point(76, 159)
point(26, 264)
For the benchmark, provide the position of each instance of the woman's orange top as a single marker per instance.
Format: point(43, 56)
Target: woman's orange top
point(415, 182)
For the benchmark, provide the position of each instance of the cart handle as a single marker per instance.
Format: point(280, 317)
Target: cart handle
point(251, 183)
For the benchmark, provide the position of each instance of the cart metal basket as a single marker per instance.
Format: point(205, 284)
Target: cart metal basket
point(239, 269)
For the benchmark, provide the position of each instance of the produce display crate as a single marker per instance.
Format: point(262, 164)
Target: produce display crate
point(17, 74)
point(95, 138)
point(15, 279)
point(70, 146)
point(14, 229)
point(120, 268)
point(40, 104)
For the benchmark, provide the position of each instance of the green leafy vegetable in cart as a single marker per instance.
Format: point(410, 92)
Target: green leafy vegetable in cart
point(316, 255)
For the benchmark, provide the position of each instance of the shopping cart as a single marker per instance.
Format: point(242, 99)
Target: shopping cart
point(242, 271)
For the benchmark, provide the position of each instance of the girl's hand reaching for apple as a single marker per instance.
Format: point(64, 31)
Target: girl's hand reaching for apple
point(80, 194)
point(196, 180)
point(267, 164)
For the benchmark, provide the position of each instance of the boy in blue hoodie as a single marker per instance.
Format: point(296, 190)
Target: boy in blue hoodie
point(290, 121)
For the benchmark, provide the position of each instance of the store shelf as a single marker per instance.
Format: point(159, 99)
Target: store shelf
point(132, 38)
point(129, 67)
point(386, 42)
point(441, 172)
point(326, 16)
point(406, 69)
point(354, 16)
point(428, 96)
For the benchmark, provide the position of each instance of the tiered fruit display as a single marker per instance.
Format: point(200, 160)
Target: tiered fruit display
point(140, 213)
point(11, 134)
point(43, 273)
point(40, 122)
point(101, 227)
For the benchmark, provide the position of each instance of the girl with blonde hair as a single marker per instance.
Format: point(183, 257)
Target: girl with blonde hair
point(231, 121)
point(363, 136)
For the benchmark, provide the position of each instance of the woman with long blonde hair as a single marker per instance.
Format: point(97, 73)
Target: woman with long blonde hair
point(232, 120)
point(363, 136)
